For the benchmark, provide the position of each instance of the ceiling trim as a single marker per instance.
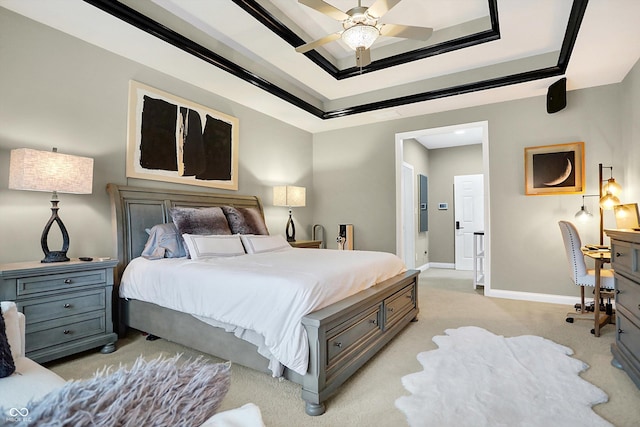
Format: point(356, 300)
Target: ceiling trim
point(144, 23)
point(253, 8)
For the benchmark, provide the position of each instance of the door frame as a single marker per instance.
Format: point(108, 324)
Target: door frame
point(399, 154)
point(408, 211)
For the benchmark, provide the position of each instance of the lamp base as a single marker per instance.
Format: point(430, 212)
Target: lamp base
point(291, 229)
point(55, 256)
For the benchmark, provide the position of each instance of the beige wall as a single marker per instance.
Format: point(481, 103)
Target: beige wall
point(57, 91)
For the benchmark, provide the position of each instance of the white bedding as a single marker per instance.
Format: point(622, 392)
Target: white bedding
point(268, 293)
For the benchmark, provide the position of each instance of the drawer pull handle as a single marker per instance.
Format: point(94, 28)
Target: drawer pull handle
point(338, 344)
point(620, 331)
point(409, 296)
point(373, 321)
point(618, 254)
point(390, 309)
point(67, 305)
point(67, 281)
point(618, 291)
point(66, 332)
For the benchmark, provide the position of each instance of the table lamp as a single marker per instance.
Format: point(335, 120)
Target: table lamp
point(36, 170)
point(291, 196)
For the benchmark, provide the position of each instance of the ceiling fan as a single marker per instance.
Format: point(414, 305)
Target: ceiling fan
point(362, 27)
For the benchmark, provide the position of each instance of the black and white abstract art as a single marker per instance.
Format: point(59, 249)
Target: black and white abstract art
point(175, 140)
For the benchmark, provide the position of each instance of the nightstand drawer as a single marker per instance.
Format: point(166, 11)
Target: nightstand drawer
point(68, 304)
point(59, 282)
point(42, 335)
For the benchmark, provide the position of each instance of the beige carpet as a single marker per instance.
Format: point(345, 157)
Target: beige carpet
point(447, 300)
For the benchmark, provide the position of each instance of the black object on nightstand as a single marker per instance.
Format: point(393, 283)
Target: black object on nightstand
point(67, 306)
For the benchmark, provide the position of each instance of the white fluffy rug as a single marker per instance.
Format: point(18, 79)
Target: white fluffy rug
point(476, 378)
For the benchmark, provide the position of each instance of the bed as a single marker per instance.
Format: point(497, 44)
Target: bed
point(341, 336)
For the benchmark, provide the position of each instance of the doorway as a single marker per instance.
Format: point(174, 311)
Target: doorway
point(452, 134)
point(468, 195)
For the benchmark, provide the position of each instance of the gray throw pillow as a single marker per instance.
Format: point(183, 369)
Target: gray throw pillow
point(245, 220)
point(161, 392)
point(7, 365)
point(203, 221)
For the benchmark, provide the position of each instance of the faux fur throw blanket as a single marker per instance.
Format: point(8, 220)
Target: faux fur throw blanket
point(160, 392)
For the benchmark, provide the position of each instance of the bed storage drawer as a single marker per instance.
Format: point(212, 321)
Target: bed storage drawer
point(42, 335)
point(64, 305)
point(398, 305)
point(349, 336)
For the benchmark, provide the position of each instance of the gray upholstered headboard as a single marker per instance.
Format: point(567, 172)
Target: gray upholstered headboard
point(133, 209)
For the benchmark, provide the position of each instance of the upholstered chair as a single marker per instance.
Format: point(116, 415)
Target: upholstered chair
point(580, 275)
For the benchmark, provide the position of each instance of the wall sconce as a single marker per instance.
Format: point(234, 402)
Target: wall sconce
point(35, 170)
point(290, 196)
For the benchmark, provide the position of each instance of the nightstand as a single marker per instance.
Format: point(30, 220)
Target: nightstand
point(67, 305)
point(306, 244)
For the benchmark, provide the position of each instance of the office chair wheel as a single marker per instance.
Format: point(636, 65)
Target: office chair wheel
point(593, 331)
point(569, 319)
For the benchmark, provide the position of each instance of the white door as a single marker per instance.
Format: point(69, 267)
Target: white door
point(408, 218)
point(468, 216)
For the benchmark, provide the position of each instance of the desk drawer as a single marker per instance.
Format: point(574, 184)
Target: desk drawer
point(33, 285)
point(628, 334)
point(625, 257)
point(398, 305)
point(69, 304)
point(42, 335)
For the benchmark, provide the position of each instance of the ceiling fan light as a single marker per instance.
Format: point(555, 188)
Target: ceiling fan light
point(360, 35)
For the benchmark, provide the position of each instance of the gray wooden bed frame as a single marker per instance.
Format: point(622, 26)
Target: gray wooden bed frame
point(342, 336)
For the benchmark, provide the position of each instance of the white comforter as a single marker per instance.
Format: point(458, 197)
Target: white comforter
point(268, 293)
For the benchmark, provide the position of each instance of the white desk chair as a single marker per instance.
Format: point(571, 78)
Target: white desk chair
point(579, 273)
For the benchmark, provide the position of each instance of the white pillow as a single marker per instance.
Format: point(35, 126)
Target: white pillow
point(255, 244)
point(208, 246)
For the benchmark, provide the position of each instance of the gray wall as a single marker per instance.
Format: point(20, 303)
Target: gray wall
point(521, 226)
point(417, 156)
point(444, 164)
point(57, 91)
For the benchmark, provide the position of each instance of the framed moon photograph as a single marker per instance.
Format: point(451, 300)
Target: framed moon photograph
point(554, 169)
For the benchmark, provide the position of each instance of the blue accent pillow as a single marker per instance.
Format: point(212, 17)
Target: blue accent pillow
point(164, 242)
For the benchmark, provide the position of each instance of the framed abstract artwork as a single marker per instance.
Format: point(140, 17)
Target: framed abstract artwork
point(175, 140)
point(554, 169)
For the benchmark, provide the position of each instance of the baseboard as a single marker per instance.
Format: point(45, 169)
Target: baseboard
point(446, 265)
point(532, 296)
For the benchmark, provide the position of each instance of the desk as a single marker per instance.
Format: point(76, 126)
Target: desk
point(600, 258)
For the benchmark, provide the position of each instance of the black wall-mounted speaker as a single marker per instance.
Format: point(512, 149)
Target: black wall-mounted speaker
point(557, 96)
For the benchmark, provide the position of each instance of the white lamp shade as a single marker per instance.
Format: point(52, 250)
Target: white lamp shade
point(289, 195)
point(360, 35)
point(50, 171)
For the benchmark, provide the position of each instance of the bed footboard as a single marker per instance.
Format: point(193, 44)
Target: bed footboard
point(347, 334)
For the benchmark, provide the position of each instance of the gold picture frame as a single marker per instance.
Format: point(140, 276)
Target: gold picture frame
point(172, 139)
point(554, 169)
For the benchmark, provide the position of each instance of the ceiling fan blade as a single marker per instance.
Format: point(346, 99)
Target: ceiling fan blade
point(363, 57)
point(325, 8)
point(326, 39)
point(380, 7)
point(406, 31)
